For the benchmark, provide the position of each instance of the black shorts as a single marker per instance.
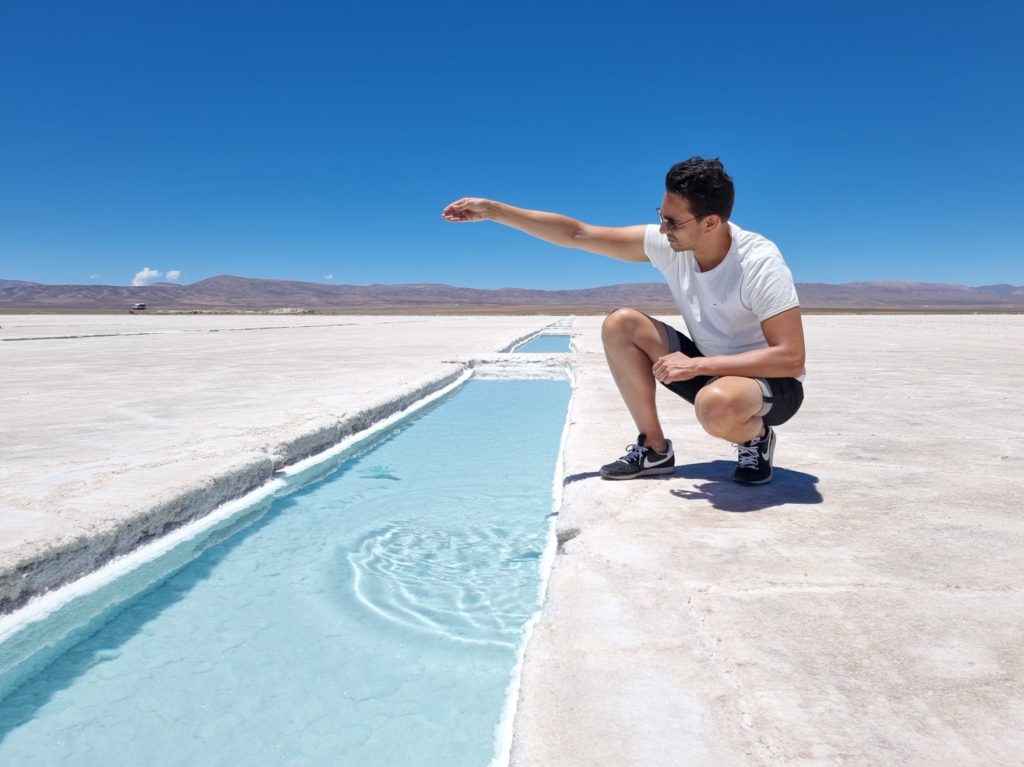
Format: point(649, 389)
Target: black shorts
point(782, 396)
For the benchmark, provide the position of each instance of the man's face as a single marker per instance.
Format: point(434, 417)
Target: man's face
point(676, 211)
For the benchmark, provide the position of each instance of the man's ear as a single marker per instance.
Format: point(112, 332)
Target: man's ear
point(711, 222)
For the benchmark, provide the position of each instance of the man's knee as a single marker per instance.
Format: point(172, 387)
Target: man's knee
point(720, 410)
point(622, 323)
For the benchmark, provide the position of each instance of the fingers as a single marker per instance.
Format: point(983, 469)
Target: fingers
point(461, 210)
point(667, 377)
point(660, 366)
point(455, 211)
point(659, 369)
point(671, 368)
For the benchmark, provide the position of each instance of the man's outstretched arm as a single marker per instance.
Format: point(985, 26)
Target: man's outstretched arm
point(625, 243)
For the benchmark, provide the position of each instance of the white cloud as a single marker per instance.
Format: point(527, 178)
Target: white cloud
point(145, 277)
point(173, 274)
point(94, 276)
point(328, 276)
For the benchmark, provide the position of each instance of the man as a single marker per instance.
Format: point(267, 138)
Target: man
point(743, 368)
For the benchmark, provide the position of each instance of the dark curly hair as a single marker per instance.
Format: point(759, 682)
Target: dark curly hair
point(705, 185)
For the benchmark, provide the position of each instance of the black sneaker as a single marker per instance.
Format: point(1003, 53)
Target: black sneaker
point(754, 466)
point(641, 461)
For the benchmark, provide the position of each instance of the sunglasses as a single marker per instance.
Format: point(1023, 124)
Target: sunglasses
point(669, 224)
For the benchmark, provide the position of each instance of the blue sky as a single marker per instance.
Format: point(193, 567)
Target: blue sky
point(297, 140)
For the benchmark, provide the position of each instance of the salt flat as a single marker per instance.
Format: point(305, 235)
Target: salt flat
point(865, 608)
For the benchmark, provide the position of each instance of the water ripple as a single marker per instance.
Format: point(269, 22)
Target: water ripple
point(468, 585)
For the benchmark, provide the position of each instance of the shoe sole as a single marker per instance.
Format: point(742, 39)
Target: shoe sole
point(644, 473)
point(756, 482)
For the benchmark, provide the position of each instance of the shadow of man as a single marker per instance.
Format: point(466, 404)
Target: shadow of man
point(571, 478)
point(787, 486)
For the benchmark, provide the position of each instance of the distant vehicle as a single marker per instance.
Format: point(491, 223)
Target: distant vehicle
point(138, 306)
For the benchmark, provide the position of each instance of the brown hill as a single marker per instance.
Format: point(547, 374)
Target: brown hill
point(229, 293)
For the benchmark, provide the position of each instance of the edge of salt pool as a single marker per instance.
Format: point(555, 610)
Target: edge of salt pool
point(504, 731)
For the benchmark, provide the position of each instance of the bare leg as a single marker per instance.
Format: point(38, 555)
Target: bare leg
point(727, 408)
point(632, 343)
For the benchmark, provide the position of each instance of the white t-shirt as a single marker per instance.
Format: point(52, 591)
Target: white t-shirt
point(723, 308)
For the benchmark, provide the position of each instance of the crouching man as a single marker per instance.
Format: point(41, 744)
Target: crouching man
point(741, 365)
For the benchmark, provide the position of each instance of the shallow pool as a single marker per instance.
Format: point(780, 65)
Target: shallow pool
point(549, 344)
point(369, 618)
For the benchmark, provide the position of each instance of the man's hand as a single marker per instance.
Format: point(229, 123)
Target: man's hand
point(675, 367)
point(468, 209)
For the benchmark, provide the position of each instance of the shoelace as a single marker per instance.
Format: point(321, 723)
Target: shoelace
point(634, 453)
point(748, 456)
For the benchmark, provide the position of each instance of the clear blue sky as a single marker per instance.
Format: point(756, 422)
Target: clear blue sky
point(294, 140)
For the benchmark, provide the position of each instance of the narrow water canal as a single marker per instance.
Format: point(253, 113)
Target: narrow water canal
point(546, 344)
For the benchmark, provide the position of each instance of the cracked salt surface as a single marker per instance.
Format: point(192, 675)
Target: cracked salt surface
point(373, 617)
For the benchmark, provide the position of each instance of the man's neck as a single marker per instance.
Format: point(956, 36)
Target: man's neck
point(714, 253)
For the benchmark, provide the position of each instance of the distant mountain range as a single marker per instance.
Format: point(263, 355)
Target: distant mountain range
point(228, 293)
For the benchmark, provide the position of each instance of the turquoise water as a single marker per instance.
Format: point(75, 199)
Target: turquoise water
point(546, 344)
point(369, 618)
